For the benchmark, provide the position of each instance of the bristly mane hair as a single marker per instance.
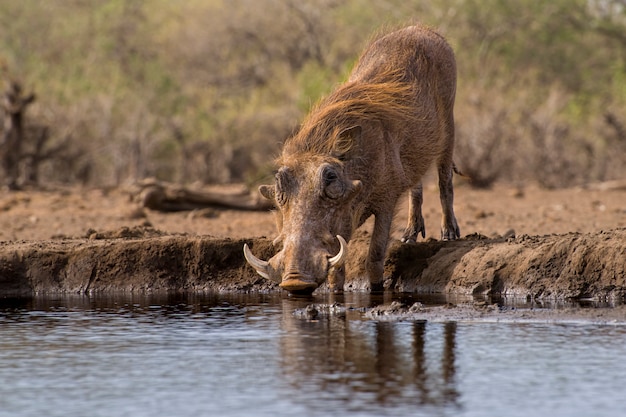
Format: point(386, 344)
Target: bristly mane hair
point(387, 99)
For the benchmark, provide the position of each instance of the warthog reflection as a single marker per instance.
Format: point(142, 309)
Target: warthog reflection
point(346, 359)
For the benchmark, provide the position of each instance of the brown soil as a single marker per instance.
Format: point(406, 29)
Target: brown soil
point(473, 311)
point(493, 313)
point(525, 242)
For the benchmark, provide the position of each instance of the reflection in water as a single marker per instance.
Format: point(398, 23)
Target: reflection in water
point(361, 364)
point(447, 392)
point(249, 355)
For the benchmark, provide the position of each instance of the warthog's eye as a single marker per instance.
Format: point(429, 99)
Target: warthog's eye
point(333, 186)
point(330, 176)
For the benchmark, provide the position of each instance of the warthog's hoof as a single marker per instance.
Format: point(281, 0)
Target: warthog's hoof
point(298, 286)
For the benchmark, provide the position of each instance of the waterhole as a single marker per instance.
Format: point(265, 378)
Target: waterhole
point(250, 355)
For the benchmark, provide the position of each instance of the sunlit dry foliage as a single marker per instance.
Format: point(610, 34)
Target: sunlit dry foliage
point(208, 90)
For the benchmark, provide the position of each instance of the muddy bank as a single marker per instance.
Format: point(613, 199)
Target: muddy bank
point(472, 312)
point(480, 312)
point(573, 265)
point(130, 260)
point(569, 266)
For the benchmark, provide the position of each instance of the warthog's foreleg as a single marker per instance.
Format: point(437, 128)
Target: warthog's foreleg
point(378, 249)
point(415, 225)
point(336, 278)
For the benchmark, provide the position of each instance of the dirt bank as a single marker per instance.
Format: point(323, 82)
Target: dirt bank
point(569, 266)
point(74, 240)
point(555, 267)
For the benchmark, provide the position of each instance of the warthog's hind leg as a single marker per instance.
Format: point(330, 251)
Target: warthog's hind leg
point(415, 224)
point(449, 227)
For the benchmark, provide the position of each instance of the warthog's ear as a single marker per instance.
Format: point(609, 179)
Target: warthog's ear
point(345, 141)
point(268, 191)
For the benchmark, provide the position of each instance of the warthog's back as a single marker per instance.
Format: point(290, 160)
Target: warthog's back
point(419, 53)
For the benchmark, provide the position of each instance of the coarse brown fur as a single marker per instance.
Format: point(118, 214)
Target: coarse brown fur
point(386, 99)
point(359, 149)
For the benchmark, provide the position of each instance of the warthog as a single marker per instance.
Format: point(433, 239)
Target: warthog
point(356, 153)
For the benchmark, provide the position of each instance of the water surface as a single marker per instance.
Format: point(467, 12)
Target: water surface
point(249, 355)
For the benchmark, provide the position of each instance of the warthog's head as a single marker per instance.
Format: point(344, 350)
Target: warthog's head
point(313, 196)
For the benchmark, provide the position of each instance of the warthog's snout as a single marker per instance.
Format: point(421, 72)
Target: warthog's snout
point(295, 281)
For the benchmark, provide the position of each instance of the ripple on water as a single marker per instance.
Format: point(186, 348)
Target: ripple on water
point(250, 355)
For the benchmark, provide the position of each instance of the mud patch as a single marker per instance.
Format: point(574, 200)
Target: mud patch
point(468, 312)
point(316, 311)
point(490, 313)
point(569, 266)
point(128, 264)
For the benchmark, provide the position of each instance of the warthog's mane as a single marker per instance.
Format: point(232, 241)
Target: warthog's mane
point(386, 99)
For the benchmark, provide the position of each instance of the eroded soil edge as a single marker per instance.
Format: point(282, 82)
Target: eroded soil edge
point(569, 266)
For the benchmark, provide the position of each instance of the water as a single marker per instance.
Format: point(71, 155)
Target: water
point(208, 355)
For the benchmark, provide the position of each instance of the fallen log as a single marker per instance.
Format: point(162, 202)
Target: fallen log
point(556, 267)
point(166, 197)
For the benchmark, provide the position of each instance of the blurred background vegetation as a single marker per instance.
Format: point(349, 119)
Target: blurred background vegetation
point(206, 90)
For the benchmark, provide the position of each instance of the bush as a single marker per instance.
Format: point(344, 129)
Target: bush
point(207, 91)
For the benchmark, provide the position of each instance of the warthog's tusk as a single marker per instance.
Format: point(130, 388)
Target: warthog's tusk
point(341, 256)
point(259, 265)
